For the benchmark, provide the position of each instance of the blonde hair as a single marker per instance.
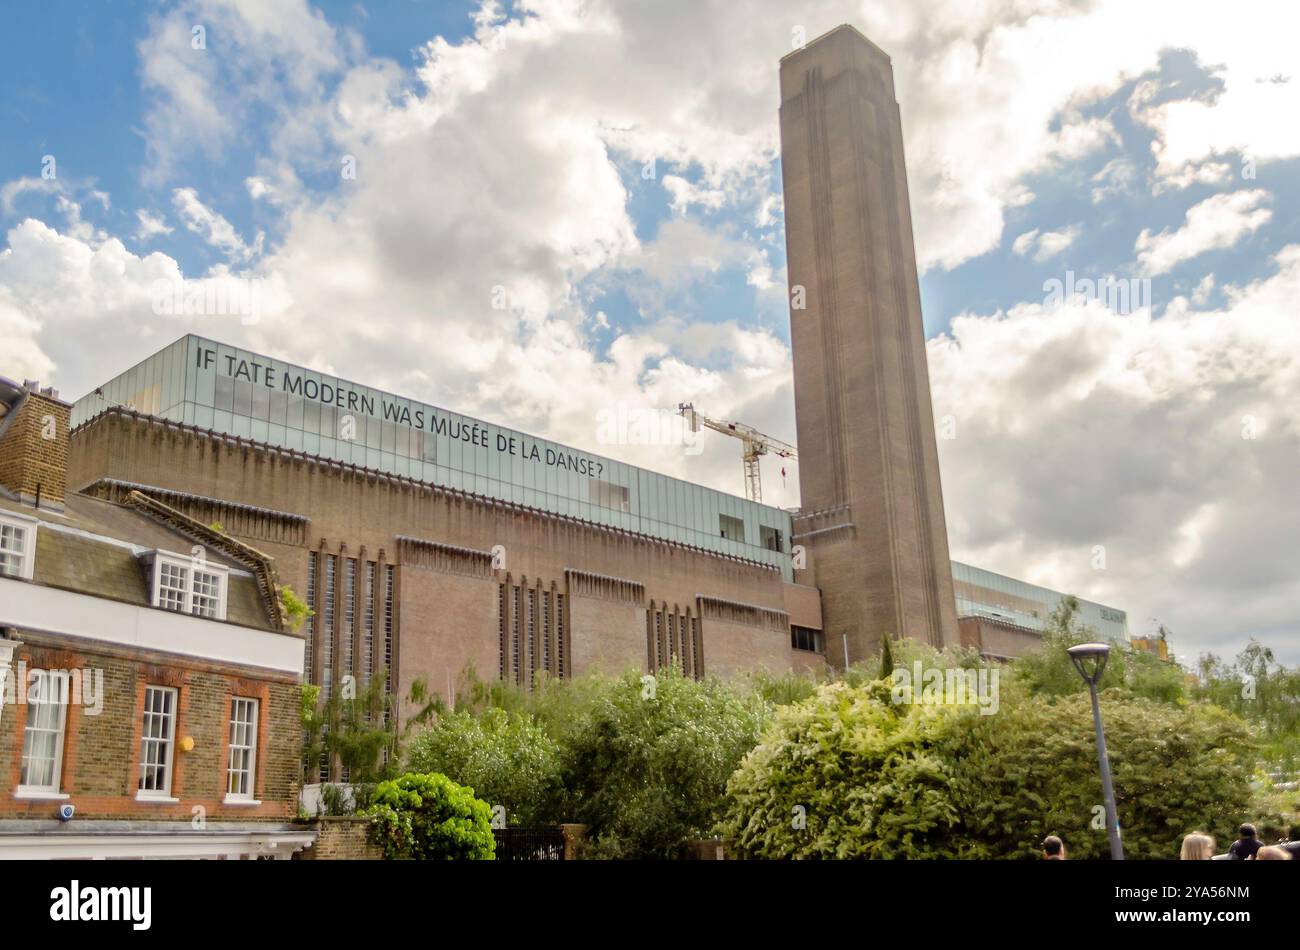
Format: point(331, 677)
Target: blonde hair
point(1198, 846)
point(1272, 854)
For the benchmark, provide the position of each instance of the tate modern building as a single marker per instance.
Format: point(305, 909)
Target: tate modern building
point(428, 542)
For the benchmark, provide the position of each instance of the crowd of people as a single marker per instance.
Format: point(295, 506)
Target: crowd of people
point(1198, 846)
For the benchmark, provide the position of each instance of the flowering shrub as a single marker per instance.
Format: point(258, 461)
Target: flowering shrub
point(429, 817)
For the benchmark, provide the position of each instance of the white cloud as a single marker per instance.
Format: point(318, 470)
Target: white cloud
point(1083, 136)
point(1078, 427)
point(151, 225)
point(255, 56)
point(1216, 174)
point(20, 186)
point(211, 226)
point(24, 357)
point(990, 92)
point(1217, 222)
point(258, 187)
point(83, 307)
point(494, 164)
point(1115, 178)
point(1045, 245)
point(1201, 295)
point(684, 194)
point(1244, 118)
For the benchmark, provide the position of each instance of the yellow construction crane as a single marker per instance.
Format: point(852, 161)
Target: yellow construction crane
point(753, 443)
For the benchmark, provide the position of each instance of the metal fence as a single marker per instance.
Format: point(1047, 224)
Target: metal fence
point(529, 844)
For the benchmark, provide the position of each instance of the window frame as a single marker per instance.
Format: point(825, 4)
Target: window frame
point(27, 556)
point(190, 595)
point(609, 494)
point(726, 521)
point(249, 797)
point(169, 746)
point(817, 638)
point(54, 789)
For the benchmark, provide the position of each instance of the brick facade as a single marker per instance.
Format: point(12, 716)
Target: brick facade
point(341, 839)
point(101, 752)
point(453, 555)
point(872, 504)
point(995, 638)
point(34, 449)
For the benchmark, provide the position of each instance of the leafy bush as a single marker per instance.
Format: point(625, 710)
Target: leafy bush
point(643, 762)
point(429, 817)
point(646, 761)
point(294, 609)
point(505, 755)
point(1031, 770)
point(353, 727)
point(845, 774)
point(881, 780)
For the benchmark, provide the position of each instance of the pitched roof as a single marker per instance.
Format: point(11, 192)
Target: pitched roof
point(97, 547)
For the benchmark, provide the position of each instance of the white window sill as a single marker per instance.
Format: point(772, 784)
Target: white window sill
point(39, 795)
point(239, 801)
point(161, 799)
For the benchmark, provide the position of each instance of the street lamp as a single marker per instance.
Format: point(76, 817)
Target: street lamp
point(1090, 660)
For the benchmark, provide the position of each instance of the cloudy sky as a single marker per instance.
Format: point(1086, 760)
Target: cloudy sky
point(390, 170)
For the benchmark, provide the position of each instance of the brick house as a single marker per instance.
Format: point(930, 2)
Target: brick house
point(150, 683)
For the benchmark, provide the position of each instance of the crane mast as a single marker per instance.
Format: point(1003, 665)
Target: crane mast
point(754, 444)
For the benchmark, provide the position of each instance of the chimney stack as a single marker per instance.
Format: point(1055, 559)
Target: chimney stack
point(33, 443)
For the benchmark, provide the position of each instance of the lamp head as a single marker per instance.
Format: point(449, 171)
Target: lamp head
point(1090, 660)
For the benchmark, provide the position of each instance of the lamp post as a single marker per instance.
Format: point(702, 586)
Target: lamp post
point(1090, 660)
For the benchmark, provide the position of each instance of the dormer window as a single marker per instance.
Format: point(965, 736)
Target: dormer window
point(189, 586)
point(17, 546)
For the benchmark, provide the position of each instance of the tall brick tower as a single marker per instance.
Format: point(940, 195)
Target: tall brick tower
point(872, 507)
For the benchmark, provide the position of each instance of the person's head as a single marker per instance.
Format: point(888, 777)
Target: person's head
point(1270, 853)
point(1053, 848)
point(1246, 831)
point(1197, 846)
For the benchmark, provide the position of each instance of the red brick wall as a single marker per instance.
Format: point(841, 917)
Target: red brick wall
point(101, 753)
point(609, 635)
point(437, 612)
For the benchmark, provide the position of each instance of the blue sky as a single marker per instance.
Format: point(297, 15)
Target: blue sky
point(613, 170)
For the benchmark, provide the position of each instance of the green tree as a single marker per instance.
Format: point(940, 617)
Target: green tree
point(1047, 670)
point(360, 734)
point(886, 656)
point(504, 754)
point(646, 760)
point(1031, 770)
point(429, 817)
point(876, 778)
point(845, 774)
point(1258, 688)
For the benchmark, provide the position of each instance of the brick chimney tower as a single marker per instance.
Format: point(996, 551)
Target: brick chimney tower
point(872, 517)
point(33, 443)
